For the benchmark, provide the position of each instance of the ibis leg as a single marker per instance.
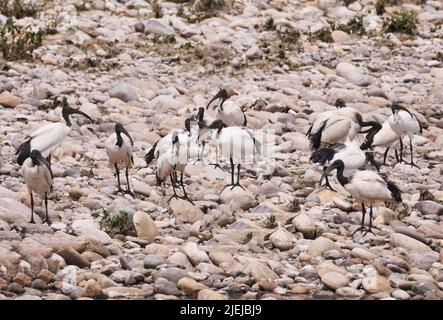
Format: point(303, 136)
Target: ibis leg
point(185, 195)
point(327, 184)
point(117, 173)
point(173, 188)
point(237, 184)
point(412, 156)
point(216, 164)
point(232, 174)
point(47, 220)
point(32, 209)
point(401, 149)
point(370, 221)
point(127, 181)
point(385, 155)
point(362, 226)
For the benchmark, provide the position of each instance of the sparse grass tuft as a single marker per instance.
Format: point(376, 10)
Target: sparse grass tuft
point(404, 22)
point(269, 24)
point(248, 237)
point(18, 42)
point(169, 38)
point(209, 5)
point(355, 26)
point(294, 206)
point(51, 27)
point(323, 34)
point(156, 8)
point(114, 225)
point(186, 46)
point(380, 6)
point(18, 9)
point(270, 223)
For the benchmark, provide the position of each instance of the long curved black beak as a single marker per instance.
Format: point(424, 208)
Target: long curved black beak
point(222, 95)
point(82, 114)
point(125, 132)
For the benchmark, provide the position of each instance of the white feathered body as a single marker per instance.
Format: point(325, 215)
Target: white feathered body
point(386, 137)
point(38, 178)
point(402, 123)
point(231, 115)
point(118, 154)
point(237, 144)
point(352, 156)
point(49, 137)
point(368, 187)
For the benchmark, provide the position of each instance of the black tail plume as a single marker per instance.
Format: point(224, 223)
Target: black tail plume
point(23, 151)
point(395, 191)
point(150, 155)
point(315, 138)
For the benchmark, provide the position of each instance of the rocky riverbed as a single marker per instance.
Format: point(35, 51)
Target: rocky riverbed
point(149, 66)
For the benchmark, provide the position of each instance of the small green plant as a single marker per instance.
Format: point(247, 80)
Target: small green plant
point(209, 5)
point(294, 206)
point(269, 24)
point(426, 195)
point(169, 38)
point(404, 22)
point(281, 54)
point(290, 37)
point(18, 9)
point(186, 46)
point(323, 34)
point(355, 26)
point(248, 237)
point(18, 42)
point(51, 27)
point(156, 8)
point(119, 224)
point(270, 223)
point(180, 11)
point(380, 6)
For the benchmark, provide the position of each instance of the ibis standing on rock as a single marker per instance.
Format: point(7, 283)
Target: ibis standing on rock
point(228, 111)
point(349, 152)
point(202, 135)
point(366, 187)
point(335, 126)
point(38, 176)
point(47, 138)
point(119, 150)
point(404, 123)
point(235, 144)
point(385, 137)
point(172, 155)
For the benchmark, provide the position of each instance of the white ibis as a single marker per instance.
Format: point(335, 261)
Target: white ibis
point(228, 111)
point(384, 138)
point(38, 176)
point(119, 150)
point(335, 126)
point(237, 145)
point(349, 152)
point(202, 134)
point(172, 154)
point(404, 123)
point(47, 138)
point(366, 187)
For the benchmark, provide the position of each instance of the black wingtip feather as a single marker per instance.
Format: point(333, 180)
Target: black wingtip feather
point(395, 191)
point(151, 153)
point(23, 151)
point(315, 138)
point(322, 156)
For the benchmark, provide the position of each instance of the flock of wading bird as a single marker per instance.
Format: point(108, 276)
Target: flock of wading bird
point(332, 135)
